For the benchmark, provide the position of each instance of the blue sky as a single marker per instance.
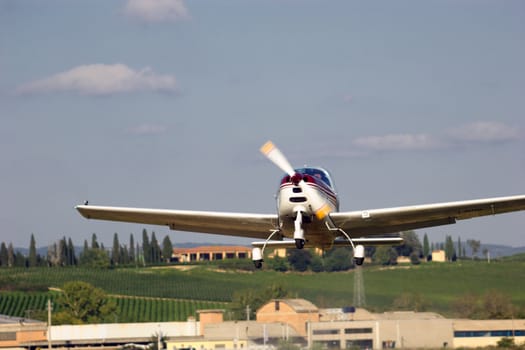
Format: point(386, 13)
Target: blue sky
point(164, 104)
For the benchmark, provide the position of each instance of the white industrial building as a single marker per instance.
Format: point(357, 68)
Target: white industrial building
point(296, 320)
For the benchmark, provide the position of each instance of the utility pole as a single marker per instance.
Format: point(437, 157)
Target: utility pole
point(159, 344)
point(247, 312)
point(49, 308)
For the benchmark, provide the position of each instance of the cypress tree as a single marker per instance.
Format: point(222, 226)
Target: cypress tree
point(3, 255)
point(115, 251)
point(449, 248)
point(131, 248)
point(63, 252)
point(10, 255)
point(426, 246)
point(155, 249)
point(146, 247)
point(94, 242)
point(72, 256)
point(33, 261)
point(167, 248)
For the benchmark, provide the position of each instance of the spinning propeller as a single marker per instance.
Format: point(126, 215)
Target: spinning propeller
point(319, 204)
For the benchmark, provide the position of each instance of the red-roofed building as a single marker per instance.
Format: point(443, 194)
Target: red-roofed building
point(205, 253)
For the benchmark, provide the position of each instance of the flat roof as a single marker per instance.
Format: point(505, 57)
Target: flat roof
point(5, 319)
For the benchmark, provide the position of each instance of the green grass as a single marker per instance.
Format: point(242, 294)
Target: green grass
point(439, 284)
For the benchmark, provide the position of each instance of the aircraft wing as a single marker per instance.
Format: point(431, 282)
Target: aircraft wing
point(389, 220)
point(231, 224)
point(367, 241)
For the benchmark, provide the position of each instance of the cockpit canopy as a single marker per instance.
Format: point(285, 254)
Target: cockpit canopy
point(316, 173)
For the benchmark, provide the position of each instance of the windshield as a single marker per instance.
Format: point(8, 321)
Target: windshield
point(317, 173)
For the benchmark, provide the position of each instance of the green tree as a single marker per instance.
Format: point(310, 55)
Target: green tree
point(95, 258)
point(410, 301)
point(277, 264)
point(316, 265)
point(338, 259)
point(155, 249)
point(410, 244)
point(385, 255)
point(467, 306)
point(72, 257)
point(426, 246)
point(450, 251)
point(414, 258)
point(63, 253)
point(498, 305)
point(299, 259)
point(10, 255)
point(131, 248)
point(33, 260)
point(491, 305)
point(507, 343)
point(474, 246)
point(124, 255)
point(115, 251)
point(253, 299)
point(167, 249)
point(20, 260)
point(81, 303)
point(94, 242)
point(146, 247)
point(3, 255)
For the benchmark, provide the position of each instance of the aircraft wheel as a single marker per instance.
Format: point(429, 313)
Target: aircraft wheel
point(258, 264)
point(359, 261)
point(299, 243)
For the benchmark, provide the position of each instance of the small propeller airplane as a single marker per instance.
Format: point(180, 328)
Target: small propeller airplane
point(308, 215)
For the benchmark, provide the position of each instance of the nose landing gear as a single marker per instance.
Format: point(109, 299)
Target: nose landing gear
point(298, 233)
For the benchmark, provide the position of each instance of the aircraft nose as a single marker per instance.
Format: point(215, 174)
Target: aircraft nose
point(296, 178)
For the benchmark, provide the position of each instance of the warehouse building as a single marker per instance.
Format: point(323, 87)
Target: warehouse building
point(349, 327)
point(296, 320)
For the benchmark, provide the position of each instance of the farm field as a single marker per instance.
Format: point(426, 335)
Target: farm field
point(130, 309)
point(439, 285)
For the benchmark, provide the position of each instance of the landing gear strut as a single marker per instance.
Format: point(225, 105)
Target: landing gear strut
point(298, 233)
point(258, 253)
point(359, 250)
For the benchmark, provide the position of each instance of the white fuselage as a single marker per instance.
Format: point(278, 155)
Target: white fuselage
point(293, 199)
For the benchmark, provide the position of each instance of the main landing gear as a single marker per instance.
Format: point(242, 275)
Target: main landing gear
point(359, 250)
point(258, 253)
point(298, 235)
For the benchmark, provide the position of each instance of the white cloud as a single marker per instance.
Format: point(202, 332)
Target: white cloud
point(485, 131)
point(157, 10)
point(102, 79)
point(397, 142)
